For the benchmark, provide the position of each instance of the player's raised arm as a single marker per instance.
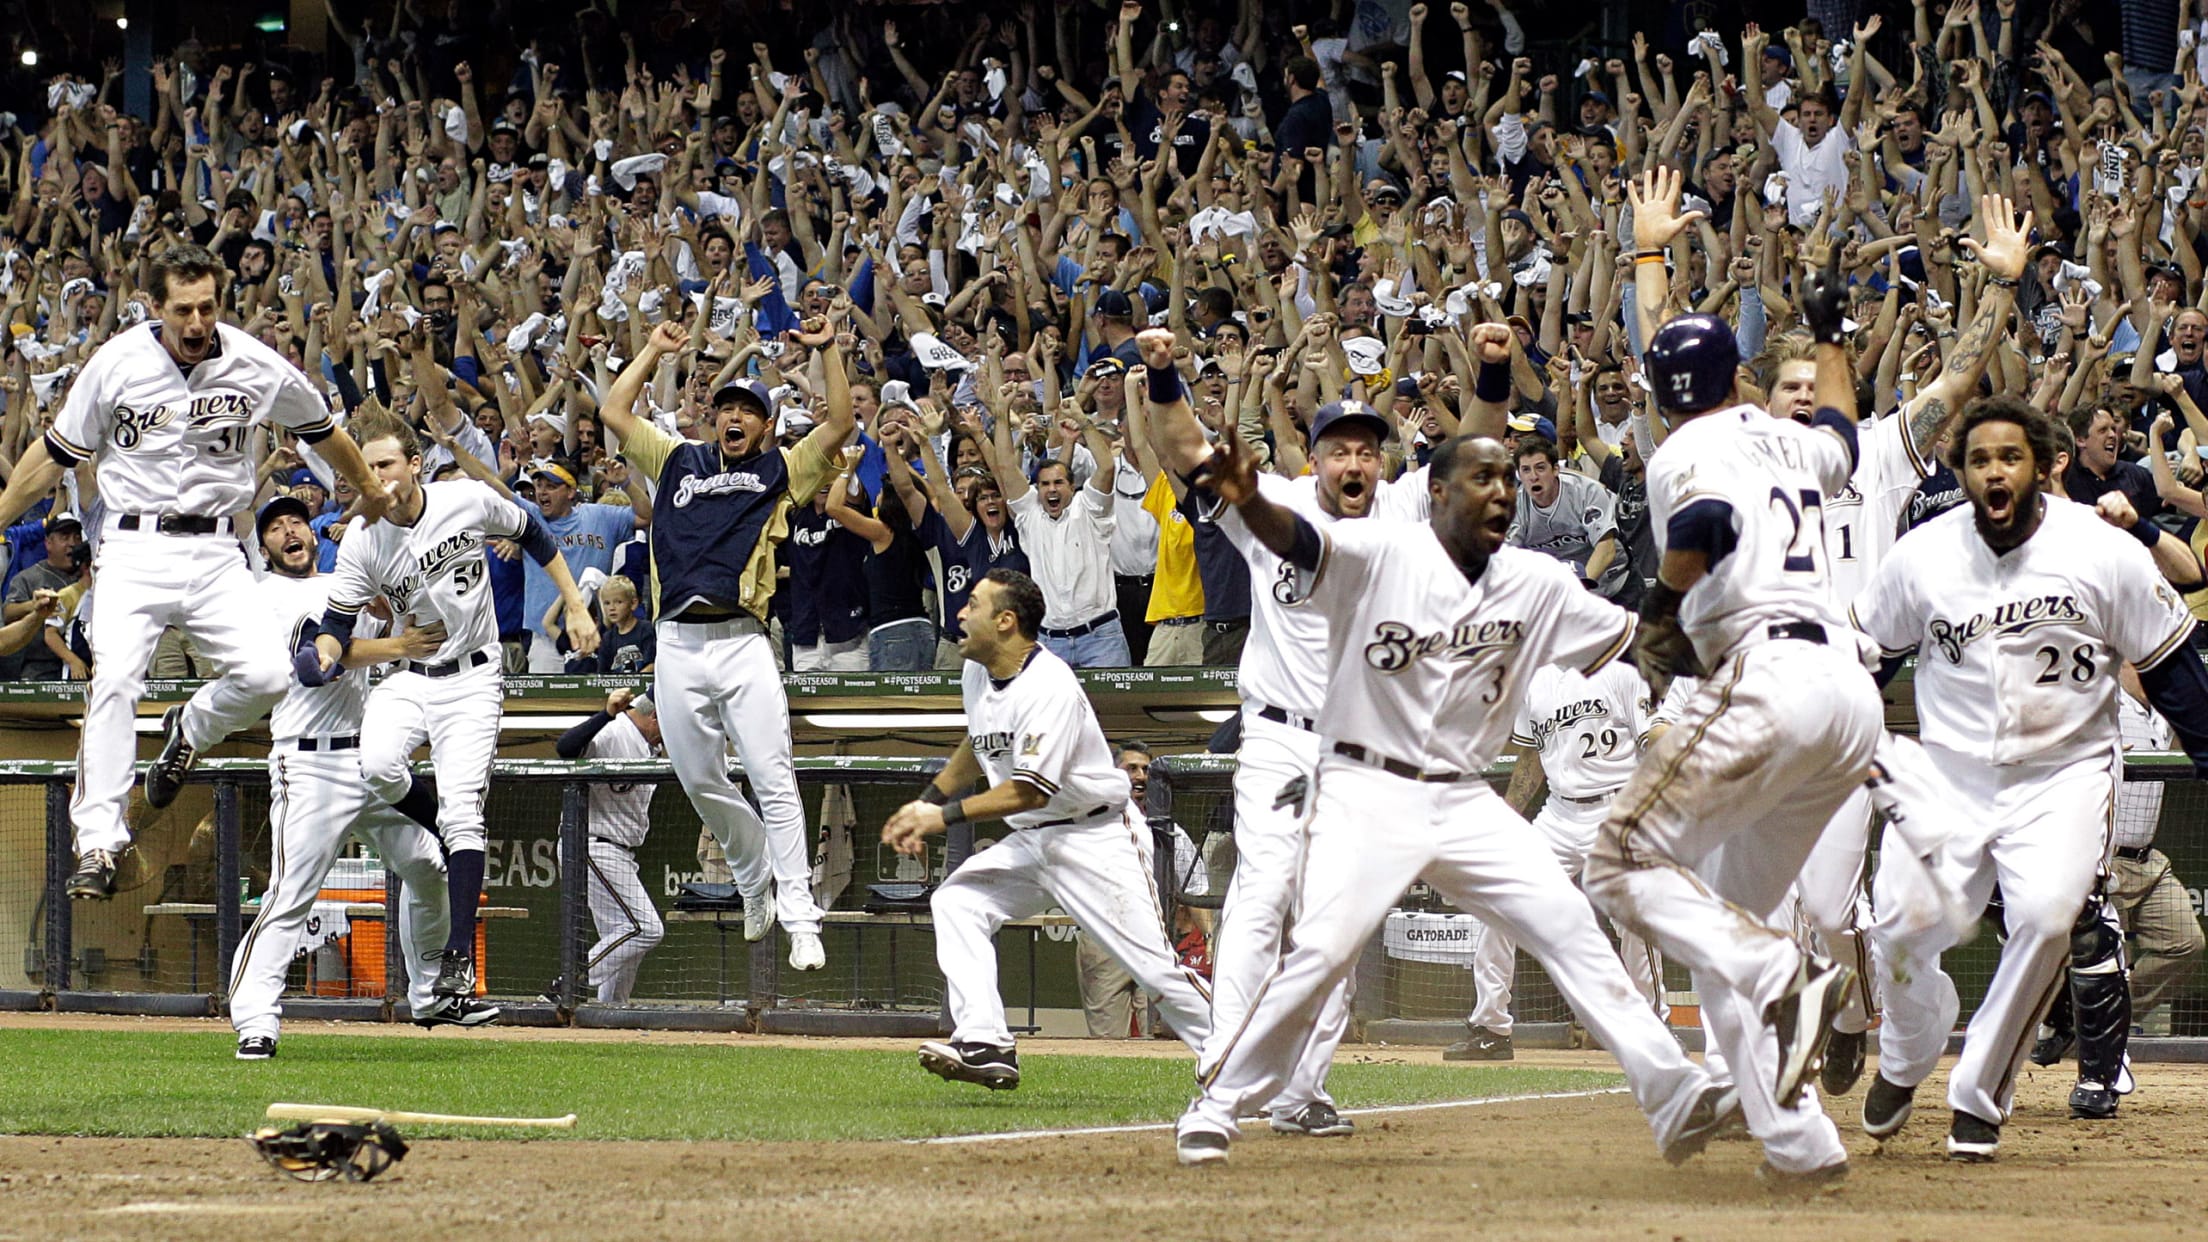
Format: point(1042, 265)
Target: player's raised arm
point(1825, 305)
point(618, 410)
point(1488, 414)
point(1175, 431)
point(1232, 476)
point(839, 421)
point(34, 478)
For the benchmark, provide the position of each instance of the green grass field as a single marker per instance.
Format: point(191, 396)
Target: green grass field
point(163, 1084)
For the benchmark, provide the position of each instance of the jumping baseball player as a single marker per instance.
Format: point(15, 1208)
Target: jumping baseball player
point(2021, 611)
point(426, 562)
point(620, 817)
point(1032, 737)
point(1283, 683)
point(316, 797)
point(720, 508)
point(1782, 731)
point(1433, 632)
point(170, 413)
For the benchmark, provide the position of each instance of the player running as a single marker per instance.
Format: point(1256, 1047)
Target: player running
point(1434, 631)
point(425, 561)
point(169, 413)
point(316, 797)
point(1075, 842)
point(2021, 612)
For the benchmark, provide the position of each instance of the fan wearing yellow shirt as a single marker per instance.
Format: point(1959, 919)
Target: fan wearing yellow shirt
point(1176, 612)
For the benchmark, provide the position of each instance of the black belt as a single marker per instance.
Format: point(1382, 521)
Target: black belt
point(1083, 818)
point(170, 523)
point(1396, 767)
point(1282, 716)
point(309, 745)
point(694, 617)
point(1086, 627)
point(1585, 801)
point(1804, 631)
point(474, 659)
point(1180, 621)
point(2134, 853)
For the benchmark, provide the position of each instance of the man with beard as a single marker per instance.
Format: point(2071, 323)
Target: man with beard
point(2022, 611)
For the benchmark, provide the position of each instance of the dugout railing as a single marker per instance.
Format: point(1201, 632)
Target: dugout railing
point(164, 944)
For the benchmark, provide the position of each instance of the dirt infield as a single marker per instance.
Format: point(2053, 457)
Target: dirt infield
point(1561, 1168)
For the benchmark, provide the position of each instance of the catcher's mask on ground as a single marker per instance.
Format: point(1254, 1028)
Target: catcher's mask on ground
point(319, 1151)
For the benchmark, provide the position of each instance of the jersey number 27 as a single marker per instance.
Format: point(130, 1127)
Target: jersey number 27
point(1808, 519)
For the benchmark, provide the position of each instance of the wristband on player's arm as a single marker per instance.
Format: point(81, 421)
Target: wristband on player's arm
point(1493, 383)
point(1165, 384)
point(933, 796)
point(954, 814)
point(2146, 533)
point(339, 625)
point(1662, 601)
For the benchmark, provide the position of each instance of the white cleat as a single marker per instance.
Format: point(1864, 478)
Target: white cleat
point(1198, 1147)
point(758, 916)
point(806, 952)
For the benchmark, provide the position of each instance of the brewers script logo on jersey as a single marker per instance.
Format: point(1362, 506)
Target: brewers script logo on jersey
point(1567, 716)
point(1394, 645)
point(722, 484)
point(2020, 616)
point(992, 743)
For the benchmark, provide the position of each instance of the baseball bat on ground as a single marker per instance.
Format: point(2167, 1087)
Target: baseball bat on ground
point(347, 1113)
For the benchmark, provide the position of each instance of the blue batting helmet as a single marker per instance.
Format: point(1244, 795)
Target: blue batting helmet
point(1691, 363)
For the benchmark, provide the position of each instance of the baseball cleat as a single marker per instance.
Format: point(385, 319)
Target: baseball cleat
point(456, 977)
point(256, 1047)
point(1802, 1016)
point(1195, 1147)
point(1972, 1140)
point(2053, 1045)
point(1714, 1110)
point(1810, 1182)
point(995, 1068)
point(758, 917)
point(1886, 1107)
point(94, 878)
point(165, 777)
point(1843, 1061)
point(1481, 1045)
point(806, 952)
point(1316, 1120)
point(2091, 1101)
point(460, 1011)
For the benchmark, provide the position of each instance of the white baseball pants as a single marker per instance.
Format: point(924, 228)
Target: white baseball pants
point(314, 800)
point(1369, 835)
point(1837, 904)
point(1246, 946)
point(716, 685)
point(621, 910)
point(1098, 872)
point(1569, 829)
point(202, 585)
point(1714, 826)
point(2052, 827)
point(458, 717)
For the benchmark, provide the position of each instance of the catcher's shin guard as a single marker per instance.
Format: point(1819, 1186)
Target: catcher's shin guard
point(2100, 993)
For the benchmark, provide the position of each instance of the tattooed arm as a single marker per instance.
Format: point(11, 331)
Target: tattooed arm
point(2003, 253)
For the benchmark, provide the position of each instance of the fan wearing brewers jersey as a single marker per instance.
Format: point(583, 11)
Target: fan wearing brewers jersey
point(2021, 610)
point(1433, 633)
point(1075, 842)
point(1577, 742)
point(620, 817)
point(316, 798)
point(426, 562)
point(169, 413)
point(721, 507)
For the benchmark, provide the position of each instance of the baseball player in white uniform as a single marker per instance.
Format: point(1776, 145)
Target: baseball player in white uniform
point(720, 508)
point(2021, 611)
point(1034, 741)
point(170, 414)
point(621, 907)
point(1434, 631)
point(316, 798)
point(426, 562)
point(1716, 823)
point(1578, 740)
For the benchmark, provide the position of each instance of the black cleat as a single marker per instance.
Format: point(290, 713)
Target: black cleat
point(1714, 1110)
point(1802, 1017)
point(1886, 1107)
point(456, 977)
point(2091, 1101)
point(94, 878)
point(460, 1011)
point(256, 1047)
point(995, 1068)
point(1482, 1045)
point(1972, 1139)
point(2053, 1045)
point(1200, 1147)
point(1317, 1120)
point(1843, 1061)
point(165, 777)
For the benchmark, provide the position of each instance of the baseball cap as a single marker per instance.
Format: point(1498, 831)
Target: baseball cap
point(1598, 96)
point(63, 521)
point(1105, 367)
point(303, 477)
point(744, 392)
point(1520, 216)
point(1112, 304)
point(642, 705)
point(503, 126)
point(547, 468)
point(1533, 424)
point(1779, 53)
point(1388, 190)
point(277, 508)
point(1348, 414)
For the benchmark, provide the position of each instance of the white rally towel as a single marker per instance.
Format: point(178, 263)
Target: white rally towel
point(1446, 939)
point(326, 924)
point(936, 356)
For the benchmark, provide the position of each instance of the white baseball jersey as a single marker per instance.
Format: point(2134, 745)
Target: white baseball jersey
point(2139, 803)
point(167, 441)
point(2017, 654)
point(433, 570)
point(1411, 641)
point(1037, 727)
point(1775, 475)
point(621, 813)
point(1403, 498)
point(1587, 730)
point(1861, 520)
point(1284, 657)
point(332, 709)
point(1583, 512)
